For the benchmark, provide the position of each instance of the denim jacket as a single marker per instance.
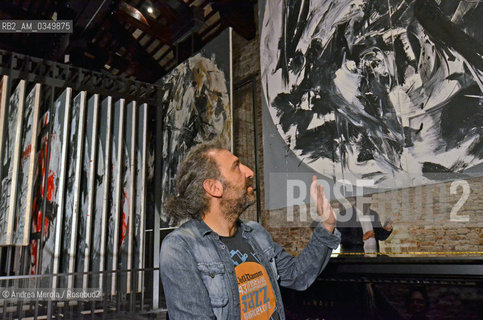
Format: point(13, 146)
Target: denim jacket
point(198, 275)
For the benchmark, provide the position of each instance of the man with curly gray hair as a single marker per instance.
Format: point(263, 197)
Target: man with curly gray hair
point(216, 266)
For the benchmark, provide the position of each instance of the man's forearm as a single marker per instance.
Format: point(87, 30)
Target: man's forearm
point(301, 271)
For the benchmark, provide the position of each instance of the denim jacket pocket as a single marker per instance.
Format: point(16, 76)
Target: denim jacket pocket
point(213, 276)
point(270, 254)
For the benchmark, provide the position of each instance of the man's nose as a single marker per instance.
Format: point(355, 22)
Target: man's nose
point(248, 172)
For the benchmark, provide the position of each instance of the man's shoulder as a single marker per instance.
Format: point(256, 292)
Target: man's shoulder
point(187, 231)
point(253, 225)
point(257, 230)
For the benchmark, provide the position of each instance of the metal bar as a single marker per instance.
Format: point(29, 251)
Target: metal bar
point(63, 168)
point(91, 273)
point(142, 226)
point(68, 77)
point(255, 142)
point(158, 169)
point(118, 202)
point(131, 226)
point(105, 207)
point(230, 52)
point(9, 261)
point(49, 310)
point(16, 162)
point(91, 194)
point(25, 267)
point(33, 160)
point(6, 84)
point(77, 187)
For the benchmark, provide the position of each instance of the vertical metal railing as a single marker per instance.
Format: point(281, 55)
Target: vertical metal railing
point(77, 187)
point(91, 194)
point(142, 191)
point(118, 198)
point(132, 197)
point(61, 192)
point(157, 211)
point(105, 207)
point(53, 142)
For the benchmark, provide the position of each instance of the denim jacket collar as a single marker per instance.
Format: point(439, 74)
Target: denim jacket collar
point(205, 229)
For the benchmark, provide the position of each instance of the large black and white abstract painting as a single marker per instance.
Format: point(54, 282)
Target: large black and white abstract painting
point(197, 100)
point(383, 90)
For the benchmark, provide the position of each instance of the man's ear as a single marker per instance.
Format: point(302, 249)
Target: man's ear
point(213, 187)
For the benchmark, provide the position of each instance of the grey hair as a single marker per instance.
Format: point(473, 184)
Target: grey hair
point(191, 200)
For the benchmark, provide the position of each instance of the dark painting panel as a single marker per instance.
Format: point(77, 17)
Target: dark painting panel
point(100, 187)
point(127, 181)
point(53, 179)
point(384, 90)
point(114, 196)
point(24, 165)
point(6, 164)
point(140, 189)
point(87, 160)
point(72, 155)
point(198, 108)
point(37, 231)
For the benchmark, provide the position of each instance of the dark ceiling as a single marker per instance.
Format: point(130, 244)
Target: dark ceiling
point(141, 40)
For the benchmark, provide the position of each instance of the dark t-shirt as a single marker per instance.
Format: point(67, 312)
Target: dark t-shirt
point(257, 298)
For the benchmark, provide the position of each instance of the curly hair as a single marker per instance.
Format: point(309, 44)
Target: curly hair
point(191, 201)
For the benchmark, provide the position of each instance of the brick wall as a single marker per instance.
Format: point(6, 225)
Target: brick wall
point(423, 219)
point(421, 215)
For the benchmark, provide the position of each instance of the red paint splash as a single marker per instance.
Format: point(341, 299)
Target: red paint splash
point(43, 168)
point(124, 225)
point(34, 243)
point(50, 185)
point(26, 152)
point(36, 211)
point(39, 224)
point(33, 256)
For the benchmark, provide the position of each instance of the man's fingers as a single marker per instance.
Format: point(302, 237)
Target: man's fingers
point(320, 191)
point(322, 203)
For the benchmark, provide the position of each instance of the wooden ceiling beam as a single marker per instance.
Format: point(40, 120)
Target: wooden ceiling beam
point(134, 17)
point(93, 13)
point(142, 65)
point(238, 14)
point(168, 13)
point(13, 12)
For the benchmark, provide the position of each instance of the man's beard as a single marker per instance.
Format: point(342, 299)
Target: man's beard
point(237, 200)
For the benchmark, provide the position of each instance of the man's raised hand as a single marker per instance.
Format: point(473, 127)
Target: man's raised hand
point(324, 208)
